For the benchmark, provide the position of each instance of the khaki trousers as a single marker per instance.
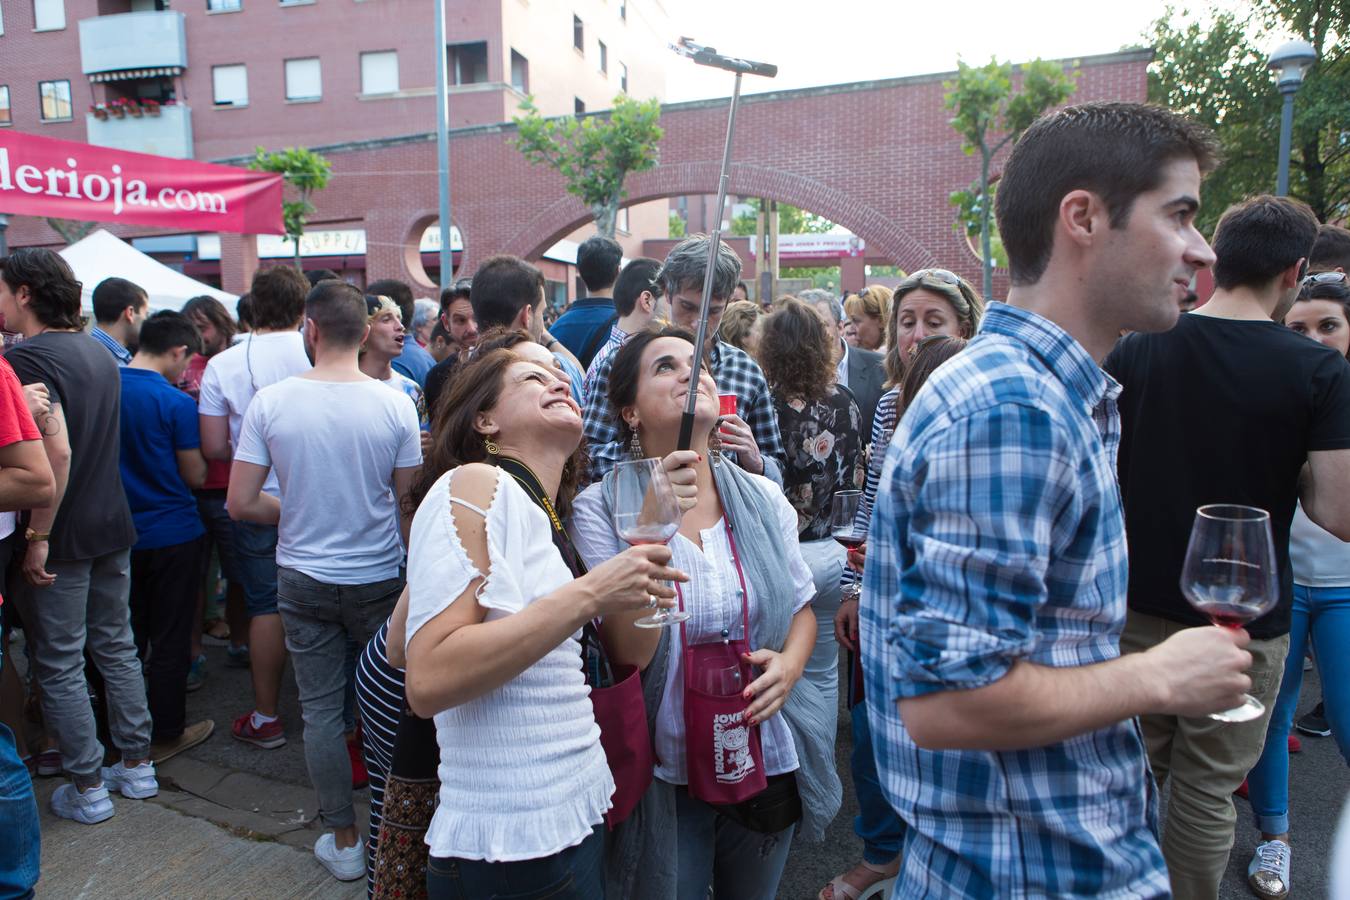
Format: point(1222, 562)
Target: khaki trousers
point(1205, 762)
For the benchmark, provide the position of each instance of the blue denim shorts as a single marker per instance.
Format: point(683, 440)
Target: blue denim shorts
point(255, 553)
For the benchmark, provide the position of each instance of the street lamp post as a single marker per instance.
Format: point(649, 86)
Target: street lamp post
point(4, 244)
point(1291, 62)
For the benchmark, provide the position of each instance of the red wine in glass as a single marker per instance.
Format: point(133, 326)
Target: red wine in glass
point(844, 528)
point(1230, 577)
point(646, 511)
point(849, 539)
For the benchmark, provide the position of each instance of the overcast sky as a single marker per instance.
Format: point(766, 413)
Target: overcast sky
point(832, 41)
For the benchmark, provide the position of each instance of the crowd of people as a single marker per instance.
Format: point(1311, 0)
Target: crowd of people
point(422, 507)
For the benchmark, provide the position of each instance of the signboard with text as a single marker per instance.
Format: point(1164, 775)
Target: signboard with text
point(42, 176)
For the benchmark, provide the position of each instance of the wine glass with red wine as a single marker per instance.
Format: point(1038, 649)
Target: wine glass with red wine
point(1230, 576)
point(843, 512)
point(646, 511)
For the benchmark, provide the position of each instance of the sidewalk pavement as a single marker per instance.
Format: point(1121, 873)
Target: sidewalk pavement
point(228, 834)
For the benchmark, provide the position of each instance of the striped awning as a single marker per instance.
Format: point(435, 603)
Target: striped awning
point(126, 74)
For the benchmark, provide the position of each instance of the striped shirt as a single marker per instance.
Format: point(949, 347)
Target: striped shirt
point(379, 694)
point(883, 425)
point(120, 353)
point(998, 536)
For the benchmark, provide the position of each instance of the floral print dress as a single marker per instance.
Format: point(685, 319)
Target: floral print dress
point(823, 439)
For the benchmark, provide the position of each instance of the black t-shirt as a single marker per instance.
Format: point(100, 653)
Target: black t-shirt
point(1219, 411)
point(83, 377)
point(436, 382)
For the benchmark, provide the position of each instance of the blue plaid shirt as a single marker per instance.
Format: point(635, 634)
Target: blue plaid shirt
point(998, 536)
point(735, 373)
point(120, 353)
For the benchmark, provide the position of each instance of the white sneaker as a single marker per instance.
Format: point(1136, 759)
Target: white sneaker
point(135, 784)
point(1268, 872)
point(87, 807)
point(344, 865)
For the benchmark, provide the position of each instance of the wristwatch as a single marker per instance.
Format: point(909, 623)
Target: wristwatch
point(33, 536)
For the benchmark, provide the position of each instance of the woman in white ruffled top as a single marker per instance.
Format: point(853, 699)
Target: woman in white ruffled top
point(493, 648)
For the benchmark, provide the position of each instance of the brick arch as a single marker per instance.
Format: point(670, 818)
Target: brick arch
point(884, 237)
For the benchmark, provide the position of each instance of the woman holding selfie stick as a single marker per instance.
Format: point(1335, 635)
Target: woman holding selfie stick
point(743, 744)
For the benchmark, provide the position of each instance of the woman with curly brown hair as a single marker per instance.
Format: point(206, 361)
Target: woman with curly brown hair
point(822, 432)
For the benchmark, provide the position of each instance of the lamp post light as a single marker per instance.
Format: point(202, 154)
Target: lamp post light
point(1291, 62)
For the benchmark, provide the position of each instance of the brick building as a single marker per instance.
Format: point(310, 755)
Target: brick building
point(892, 192)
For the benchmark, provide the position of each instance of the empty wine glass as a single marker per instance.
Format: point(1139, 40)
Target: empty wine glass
point(1230, 576)
point(843, 515)
point(646, 511)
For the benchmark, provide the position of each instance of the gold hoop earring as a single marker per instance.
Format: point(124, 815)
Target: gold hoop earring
point(491, 446)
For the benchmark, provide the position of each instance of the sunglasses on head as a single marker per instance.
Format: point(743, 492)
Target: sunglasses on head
point(941, 275)
point(1324, 278)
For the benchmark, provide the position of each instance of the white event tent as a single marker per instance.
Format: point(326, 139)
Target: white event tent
point(102, 255)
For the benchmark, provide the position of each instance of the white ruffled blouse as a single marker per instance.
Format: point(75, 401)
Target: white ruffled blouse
point(522, 772)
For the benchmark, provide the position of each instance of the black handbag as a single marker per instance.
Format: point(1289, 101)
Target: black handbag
point(410, 792)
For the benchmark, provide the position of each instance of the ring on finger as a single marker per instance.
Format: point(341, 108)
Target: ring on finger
point(651, 601)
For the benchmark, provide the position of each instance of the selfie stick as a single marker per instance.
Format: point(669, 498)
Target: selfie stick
point(708, 56)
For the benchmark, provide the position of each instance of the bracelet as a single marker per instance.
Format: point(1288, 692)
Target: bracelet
point(34, 537)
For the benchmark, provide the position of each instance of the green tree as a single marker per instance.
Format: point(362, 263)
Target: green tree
point(989, 115)
point(305, 172)
point(1213, 69)
point(676, 229)
point(594, 154)
point(791, 220)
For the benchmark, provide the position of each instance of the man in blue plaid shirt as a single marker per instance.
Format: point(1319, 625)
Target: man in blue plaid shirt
point(994, 594)
point(751, 437)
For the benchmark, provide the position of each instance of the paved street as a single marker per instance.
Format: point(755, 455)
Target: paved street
point(262, 801)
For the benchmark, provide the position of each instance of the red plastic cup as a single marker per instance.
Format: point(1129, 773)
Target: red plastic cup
point(727, 403)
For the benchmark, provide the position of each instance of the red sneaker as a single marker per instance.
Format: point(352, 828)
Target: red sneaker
point(1295, 745)
point(1242, 790)
point(360, 777)
point(269, 737)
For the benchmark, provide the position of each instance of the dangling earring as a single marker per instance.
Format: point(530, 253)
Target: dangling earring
point(714, 448)
point(635, 446)
point(491, 446)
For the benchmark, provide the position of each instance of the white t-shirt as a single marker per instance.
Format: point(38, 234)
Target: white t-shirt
point(1318, 557)
point(234, 375)
point(334, 447)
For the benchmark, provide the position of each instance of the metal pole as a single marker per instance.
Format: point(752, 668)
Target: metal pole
point(4, 243)
point(714, 243)
point(1286, 135)
point(443, 146)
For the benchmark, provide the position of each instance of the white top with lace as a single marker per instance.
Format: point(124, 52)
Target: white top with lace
point(522, 771)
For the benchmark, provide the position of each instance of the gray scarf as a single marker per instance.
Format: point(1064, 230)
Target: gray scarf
point(641, 856)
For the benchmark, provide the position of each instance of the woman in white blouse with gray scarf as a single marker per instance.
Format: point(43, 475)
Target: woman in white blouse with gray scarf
point(676, 845)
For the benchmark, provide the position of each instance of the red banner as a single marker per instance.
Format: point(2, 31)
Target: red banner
point(67, 180)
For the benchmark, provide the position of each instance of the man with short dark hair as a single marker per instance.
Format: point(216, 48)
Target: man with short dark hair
point(340, 551)
point(272, 351)
point(508, 292)
point(119, 309)
point(161, 464)
point(1331, 251)
point(413, 360)
point(1229, 406)
point(458, 321)
point(994, 594)
point(750, 437)
point(638, 301)
point(585, 324)
point(79, 547)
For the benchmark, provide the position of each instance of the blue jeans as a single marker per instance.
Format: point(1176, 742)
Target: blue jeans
point(320, 621)
point(1321, 615)
point(880, 828)
point(255, 555)
point(21, 844)
point(713, 850)
point(575, 873)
